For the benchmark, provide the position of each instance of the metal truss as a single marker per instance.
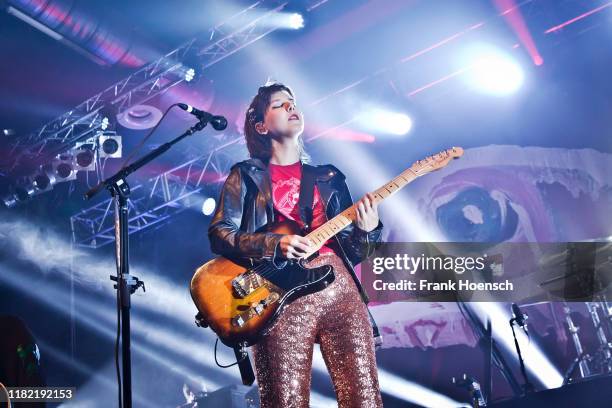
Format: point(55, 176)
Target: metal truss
point(252, 27)
point(153, 79)
point(85, 119)
point(156, 201)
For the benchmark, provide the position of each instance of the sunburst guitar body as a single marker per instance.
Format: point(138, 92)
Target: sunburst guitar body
point(240, 303)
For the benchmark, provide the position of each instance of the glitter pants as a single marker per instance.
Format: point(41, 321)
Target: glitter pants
point(335, 317)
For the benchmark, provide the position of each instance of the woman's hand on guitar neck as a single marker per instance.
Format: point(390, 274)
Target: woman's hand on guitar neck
point(367, 213)
point(295, 246)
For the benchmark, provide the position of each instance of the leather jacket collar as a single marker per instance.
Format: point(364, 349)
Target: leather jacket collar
point(258, 172)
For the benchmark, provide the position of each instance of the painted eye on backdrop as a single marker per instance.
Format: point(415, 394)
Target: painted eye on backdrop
point(477, 215)
point(512, 194)
point(490, 204)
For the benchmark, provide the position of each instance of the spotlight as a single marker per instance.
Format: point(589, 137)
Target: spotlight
point(191, 66)
point(85, 155)
point(84, 158)
point(384, 121)
point(296, 21)
point(208, 206)
point(105, 123)
point(139, 117)
point(285, 20)
point(9, 201)
point(110, 145)
point(108, 117)
point(41, 181)
point(44, 179)
point(8, 132)
point(63, 168)
point(24, 192)
point(494, 72)
point(189, 74)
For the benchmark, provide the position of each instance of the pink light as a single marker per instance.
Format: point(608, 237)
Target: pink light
point(580, 17)
point(436, 82)
point(340, 132)
point(401, 61)
point(512, 13)
point(440, 43)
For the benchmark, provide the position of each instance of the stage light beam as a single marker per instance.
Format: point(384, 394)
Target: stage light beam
point(208, 206)
point(384, 121)
point(189, 74)
point(296, 21)
point(495, 73)
point(286, 21)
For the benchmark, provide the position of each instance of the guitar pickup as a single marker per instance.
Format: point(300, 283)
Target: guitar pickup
point(245, 284)
point(238, 284)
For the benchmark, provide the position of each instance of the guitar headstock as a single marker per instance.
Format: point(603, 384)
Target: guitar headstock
point(436, 161)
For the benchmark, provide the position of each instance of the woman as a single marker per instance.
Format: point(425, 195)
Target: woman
point(264, 190)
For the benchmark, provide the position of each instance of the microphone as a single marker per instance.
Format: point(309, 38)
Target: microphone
point(519, 316)
point(217, 121)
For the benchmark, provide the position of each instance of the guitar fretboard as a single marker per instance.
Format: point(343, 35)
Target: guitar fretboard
point(326, 231)
point(320, 235)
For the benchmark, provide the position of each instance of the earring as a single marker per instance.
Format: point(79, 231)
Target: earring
point(260, 128)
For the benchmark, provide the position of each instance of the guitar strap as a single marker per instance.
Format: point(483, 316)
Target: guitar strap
point(307, 185)
point(244, 365)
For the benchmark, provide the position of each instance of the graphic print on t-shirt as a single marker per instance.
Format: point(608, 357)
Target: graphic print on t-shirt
point(286, 197)
point(286, 194)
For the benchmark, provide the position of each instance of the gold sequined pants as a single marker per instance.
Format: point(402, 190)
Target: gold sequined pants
point(335, 317)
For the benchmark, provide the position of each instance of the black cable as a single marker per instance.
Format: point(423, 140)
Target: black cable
point(144, 139)
point(231, 365)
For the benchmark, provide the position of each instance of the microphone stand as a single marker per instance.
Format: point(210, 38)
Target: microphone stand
point(127, 284)
point(528, 387)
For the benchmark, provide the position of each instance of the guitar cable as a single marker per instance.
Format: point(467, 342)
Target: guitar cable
point(244, 356)
point(146, 137)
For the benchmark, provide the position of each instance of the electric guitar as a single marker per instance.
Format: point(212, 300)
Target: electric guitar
point(239, 302)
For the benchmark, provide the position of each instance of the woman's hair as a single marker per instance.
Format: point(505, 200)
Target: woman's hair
point(260, 146)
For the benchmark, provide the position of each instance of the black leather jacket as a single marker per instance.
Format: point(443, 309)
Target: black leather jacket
point(239, 227)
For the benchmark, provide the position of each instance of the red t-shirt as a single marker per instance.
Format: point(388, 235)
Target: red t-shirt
point(286, 194)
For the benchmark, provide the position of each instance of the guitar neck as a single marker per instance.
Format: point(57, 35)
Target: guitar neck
point(326, 231)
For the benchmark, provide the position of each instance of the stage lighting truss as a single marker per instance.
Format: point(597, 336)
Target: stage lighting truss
point(239, 31)
point(156, 201)
point(182, 64)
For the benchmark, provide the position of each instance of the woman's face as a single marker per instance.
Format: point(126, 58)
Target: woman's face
point(282, 118)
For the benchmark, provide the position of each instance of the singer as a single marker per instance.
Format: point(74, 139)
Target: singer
point(264, 190)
